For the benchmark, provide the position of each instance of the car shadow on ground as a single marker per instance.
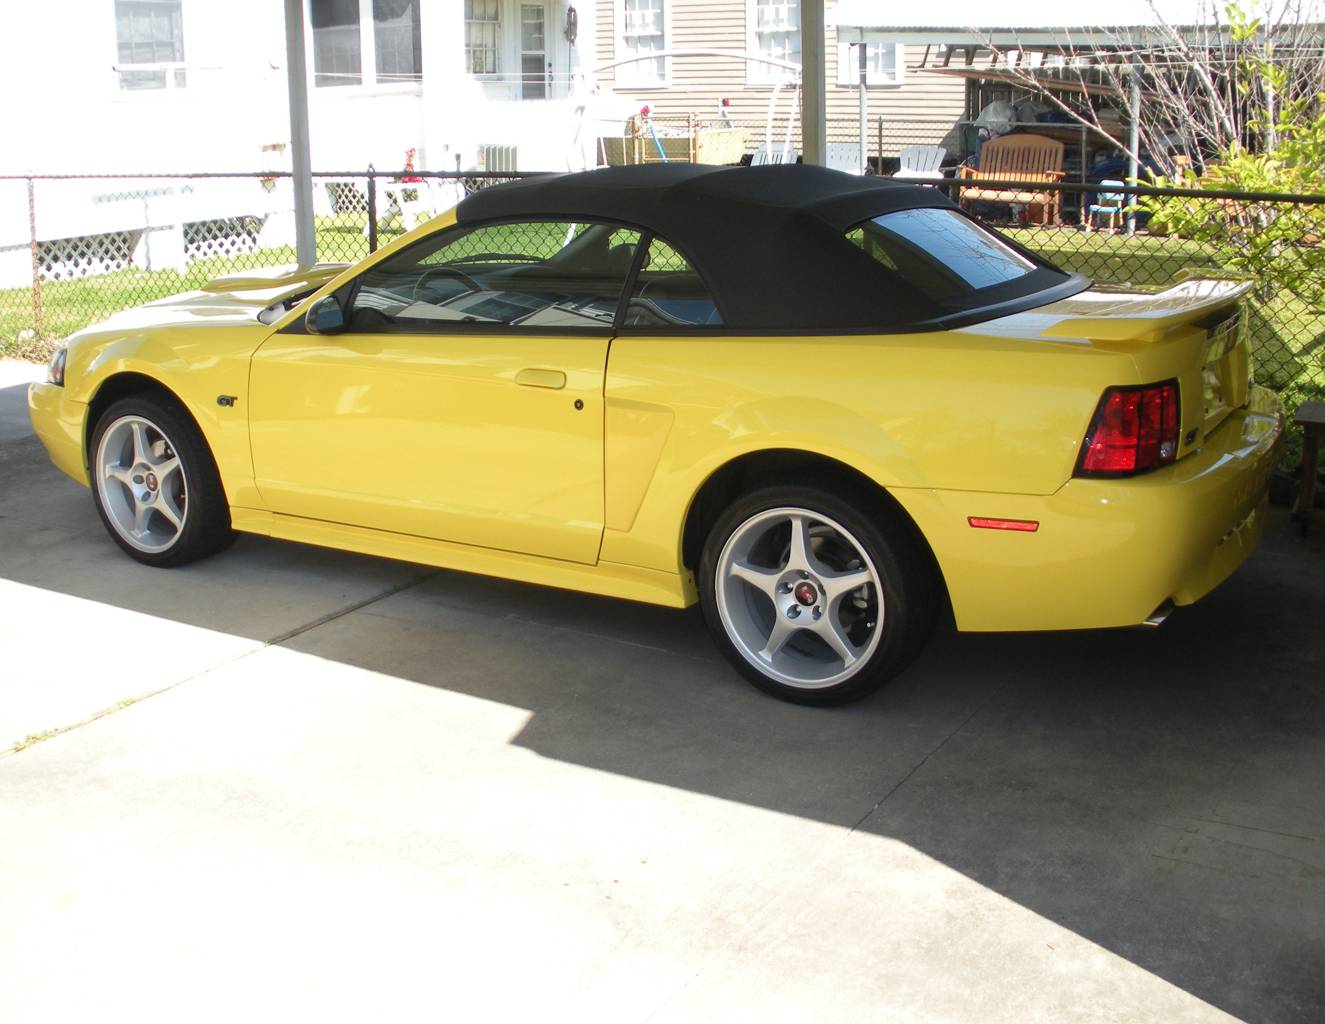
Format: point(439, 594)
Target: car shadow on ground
point(1158, 792)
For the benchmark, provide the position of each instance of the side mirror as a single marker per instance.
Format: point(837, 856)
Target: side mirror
point(325, 316)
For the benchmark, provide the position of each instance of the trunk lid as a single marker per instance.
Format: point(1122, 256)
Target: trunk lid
point(1194, 332)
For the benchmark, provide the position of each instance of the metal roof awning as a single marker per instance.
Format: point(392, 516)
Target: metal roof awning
point(1046, 83)
point(1029, 24)
point(1046, 25)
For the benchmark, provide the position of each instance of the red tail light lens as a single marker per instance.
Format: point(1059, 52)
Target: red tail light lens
point(1134, 429)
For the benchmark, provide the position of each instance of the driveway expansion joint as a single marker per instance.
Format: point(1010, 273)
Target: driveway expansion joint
point(33, 739)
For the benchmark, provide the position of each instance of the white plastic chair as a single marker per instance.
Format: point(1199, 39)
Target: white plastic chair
point(843, 156)
point(430, 197)
point(921, 163)
point(776, 155)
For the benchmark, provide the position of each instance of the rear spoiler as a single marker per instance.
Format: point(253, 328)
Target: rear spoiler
point(1147, 318)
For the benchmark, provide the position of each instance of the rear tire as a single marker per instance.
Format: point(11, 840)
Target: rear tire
point(814, 598)
point(155, 483)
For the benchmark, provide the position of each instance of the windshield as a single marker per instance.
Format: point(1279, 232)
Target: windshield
point(940, 253)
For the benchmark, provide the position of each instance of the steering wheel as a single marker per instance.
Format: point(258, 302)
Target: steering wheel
point(649, 308)
point(465, 279)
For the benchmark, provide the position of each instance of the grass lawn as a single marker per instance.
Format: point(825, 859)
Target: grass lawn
point(69, 306)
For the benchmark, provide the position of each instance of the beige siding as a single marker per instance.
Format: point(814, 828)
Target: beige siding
point(920, 110)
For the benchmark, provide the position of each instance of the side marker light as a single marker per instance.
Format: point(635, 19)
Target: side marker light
point(1015, 525)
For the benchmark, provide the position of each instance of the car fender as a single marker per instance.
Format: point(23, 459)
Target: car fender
point(206, 369)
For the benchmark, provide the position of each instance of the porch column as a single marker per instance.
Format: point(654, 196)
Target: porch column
point(813, 110)
point(296, 73)
point(451, 99)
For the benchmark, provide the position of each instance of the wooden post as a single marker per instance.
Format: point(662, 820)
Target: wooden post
point(1133, 143)
point(813, 114)
point(372, 209)
point(863, 100)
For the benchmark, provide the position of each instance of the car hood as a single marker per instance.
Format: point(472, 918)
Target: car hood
point(229, 300)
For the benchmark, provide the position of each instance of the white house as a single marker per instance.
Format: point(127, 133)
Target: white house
point(186, 85)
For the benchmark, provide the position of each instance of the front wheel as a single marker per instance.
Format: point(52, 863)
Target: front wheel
point(813, 599)
point(155, 483)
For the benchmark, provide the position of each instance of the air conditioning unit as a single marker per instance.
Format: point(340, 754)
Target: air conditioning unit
point(497, 157)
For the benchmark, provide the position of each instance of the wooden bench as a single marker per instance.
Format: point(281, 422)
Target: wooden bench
point(1021, 157)
point(1311, 418)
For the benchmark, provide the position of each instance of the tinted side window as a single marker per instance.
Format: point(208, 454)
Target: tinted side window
point(669, 293)
point(537, 274)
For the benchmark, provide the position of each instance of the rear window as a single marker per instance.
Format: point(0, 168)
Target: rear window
point(940, 253)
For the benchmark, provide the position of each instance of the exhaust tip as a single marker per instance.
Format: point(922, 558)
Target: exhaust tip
point(1156, 618)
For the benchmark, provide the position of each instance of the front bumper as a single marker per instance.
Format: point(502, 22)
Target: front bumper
point(59, 424)
point(1109, 552)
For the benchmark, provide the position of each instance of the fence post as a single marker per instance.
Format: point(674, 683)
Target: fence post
point(880, 143)
point(36, 262)
point(372, 209)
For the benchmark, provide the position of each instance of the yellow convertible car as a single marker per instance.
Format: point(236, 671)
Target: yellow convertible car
point(822, 406)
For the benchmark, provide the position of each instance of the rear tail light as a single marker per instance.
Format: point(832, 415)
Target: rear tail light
point(1135, 429)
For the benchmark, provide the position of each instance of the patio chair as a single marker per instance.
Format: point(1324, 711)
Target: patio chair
point(921, 163)
point(843, 156)
point(1111, 204)
point(422, 200)
point(775, 155)
point(1017, 157)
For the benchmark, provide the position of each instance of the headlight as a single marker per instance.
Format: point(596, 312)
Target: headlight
point(55, 369)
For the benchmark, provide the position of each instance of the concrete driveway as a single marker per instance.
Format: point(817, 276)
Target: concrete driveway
point(294, 784)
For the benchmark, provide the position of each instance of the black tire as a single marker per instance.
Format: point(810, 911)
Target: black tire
point(907, 578)
point(206, 521)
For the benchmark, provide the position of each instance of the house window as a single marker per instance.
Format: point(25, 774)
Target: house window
point(884, 62)
point(775, 30)
point(643, 31)
point(482, 27)
point(396, 40)
point(357, 42)
point(149, 32)
point(337, 48)
point(533, 52)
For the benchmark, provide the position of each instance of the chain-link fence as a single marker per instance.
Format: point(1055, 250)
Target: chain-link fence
point(75, 250)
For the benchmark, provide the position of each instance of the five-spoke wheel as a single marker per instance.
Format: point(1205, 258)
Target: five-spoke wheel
point(799, 597)
point(154, 482)
point(141, 484)
point(812, 599)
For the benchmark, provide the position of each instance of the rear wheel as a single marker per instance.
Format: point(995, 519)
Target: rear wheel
point(155, 484)
point(812, 598)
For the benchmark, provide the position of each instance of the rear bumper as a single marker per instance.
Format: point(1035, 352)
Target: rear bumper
point(1109, 552)
point(58, 423)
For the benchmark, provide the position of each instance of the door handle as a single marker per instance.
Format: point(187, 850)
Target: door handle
point(531, 378)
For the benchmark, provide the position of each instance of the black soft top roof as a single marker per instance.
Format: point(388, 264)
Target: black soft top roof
point(768, 241)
